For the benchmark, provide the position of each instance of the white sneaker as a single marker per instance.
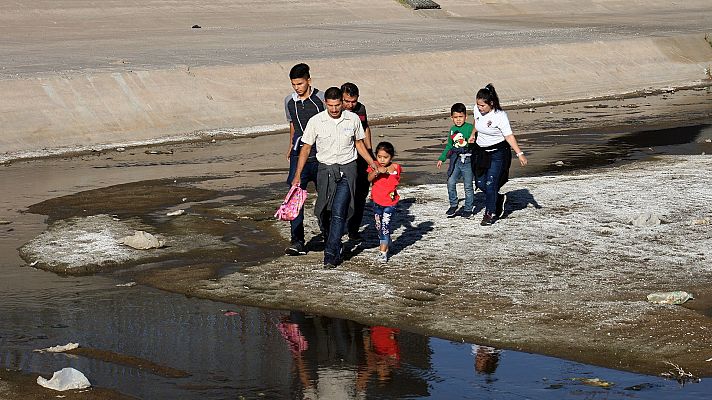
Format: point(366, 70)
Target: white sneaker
point(382, 257)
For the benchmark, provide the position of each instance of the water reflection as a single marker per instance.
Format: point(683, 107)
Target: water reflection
point(486, 361)
point(339, 359)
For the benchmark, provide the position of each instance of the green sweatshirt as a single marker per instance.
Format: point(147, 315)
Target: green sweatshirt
point(458, 138)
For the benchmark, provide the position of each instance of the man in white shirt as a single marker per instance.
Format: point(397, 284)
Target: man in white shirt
point(339, 137)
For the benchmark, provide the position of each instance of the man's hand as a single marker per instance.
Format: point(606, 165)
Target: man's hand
point(439, 164)
point(296, 181)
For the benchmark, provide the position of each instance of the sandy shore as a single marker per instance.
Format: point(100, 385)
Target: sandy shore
point(569, 277)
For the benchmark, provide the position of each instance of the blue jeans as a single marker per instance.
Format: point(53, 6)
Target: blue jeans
point(463, 170)
point(308, 174)
point(334, 222)
point(382, 215)
point(489, 181)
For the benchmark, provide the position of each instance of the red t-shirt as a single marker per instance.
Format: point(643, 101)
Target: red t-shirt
point(383, 191)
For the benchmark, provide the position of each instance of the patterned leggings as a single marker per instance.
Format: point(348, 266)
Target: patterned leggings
point(382, 215)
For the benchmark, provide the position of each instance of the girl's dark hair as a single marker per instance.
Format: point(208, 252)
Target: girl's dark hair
point(387, 147)
point(489, 96)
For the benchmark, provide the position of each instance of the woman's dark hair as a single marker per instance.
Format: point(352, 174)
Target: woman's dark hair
point(333, 93)
point(458, 108)
point(300, 70)
point(350, 89)
point(489, 96)
point(387, 147)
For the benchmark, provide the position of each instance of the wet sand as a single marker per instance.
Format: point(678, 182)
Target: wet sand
point(242, 178)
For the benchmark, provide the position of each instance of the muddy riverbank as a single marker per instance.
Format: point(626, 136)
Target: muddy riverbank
point(571, 282)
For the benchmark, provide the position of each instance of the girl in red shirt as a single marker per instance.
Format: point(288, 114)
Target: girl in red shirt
point(384, 194)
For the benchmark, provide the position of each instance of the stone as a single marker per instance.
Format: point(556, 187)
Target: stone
point(142, 240)
point(646, 219)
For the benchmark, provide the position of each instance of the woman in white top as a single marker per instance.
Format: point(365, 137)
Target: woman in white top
point(493, 158)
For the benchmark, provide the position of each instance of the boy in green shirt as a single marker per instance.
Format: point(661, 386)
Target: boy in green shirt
point(459, 151)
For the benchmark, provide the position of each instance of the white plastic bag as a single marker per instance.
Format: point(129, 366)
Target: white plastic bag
point(65, 379)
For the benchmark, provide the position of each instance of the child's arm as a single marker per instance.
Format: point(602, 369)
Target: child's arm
point(443, 155)
point(372, 174)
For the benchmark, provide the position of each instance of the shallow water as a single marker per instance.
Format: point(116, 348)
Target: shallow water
point(259, 353)
point(273, 354)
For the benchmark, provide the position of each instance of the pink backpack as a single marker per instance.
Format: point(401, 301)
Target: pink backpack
point(293, 203)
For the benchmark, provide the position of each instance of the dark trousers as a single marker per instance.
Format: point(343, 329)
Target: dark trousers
point(489, 182)
point(308, 175)
point(360, 195)
point(334, 222)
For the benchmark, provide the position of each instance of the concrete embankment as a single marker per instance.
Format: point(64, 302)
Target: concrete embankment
point(65, 110)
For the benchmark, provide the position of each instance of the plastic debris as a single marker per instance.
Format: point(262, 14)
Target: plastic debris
point(3, 222)
point(175, 213)
point(594, 382)
point(559, 163)
point(58, 349)
point(677, 297)
point(142, 241)
point(680, 375)
point(230, 313)
point(65, 379)
point(127, 284)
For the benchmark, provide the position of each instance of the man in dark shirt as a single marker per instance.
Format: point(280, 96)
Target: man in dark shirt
point(299, 107)
point(351, 103)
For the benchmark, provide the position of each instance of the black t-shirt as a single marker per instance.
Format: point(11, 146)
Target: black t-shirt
point(360, 110)
point(299, 112)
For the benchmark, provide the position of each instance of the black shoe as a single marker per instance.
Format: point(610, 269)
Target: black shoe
point(451, 211)
point(465, 213)
point(500, 205)
point(487, 219)
point(328, 265)
point(355, 237)
point(296, 249)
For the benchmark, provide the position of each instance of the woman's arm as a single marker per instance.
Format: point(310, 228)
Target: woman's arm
point(520, 154)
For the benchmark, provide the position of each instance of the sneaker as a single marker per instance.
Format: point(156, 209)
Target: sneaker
point(382, 257)
point(451, 211)
point(465, 213)
point(487, 219)
point(328, 265)
point(296, 249)
point(500, 205)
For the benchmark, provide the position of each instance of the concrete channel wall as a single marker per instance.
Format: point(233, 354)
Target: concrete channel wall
point(65, 111)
